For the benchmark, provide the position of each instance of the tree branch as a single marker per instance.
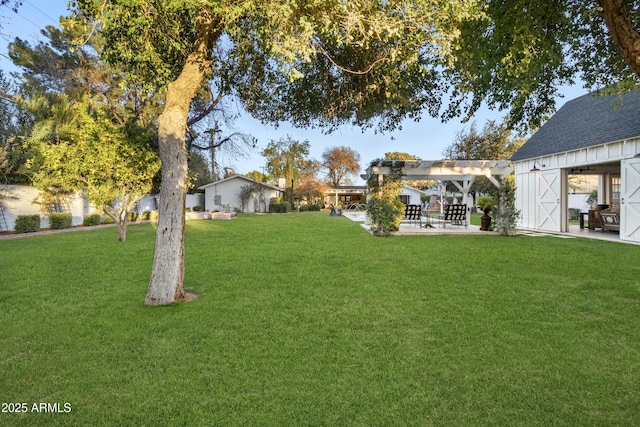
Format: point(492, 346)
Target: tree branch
point(624, 33)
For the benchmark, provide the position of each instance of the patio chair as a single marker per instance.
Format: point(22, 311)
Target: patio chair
point(454, 215)
point(610, 221)
point(412, 214)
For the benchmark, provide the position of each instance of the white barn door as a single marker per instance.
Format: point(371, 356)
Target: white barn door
point(630, 200)
point(549, 200)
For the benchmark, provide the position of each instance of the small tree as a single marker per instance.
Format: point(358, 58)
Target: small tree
point(383, 205)
point(92, 154)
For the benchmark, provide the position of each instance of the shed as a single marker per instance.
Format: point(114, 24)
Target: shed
point(594, 135)
point(225, 195)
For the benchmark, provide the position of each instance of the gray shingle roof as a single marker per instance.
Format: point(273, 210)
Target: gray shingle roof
point(585, 122)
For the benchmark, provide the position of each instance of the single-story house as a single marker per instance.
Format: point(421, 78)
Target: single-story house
point(411, 196)
point(225, 195)
point(593, 135)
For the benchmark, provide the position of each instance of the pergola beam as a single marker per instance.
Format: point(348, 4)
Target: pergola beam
point(442, 170)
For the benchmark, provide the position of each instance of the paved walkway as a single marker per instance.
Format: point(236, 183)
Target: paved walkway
point(12, 236)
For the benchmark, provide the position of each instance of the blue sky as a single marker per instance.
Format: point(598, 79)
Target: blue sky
point(426, 139)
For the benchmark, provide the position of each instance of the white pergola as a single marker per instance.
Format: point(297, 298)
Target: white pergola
point(462, 173)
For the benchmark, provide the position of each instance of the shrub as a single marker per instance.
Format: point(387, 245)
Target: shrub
point(92, 219)
point(133, 216)
point(282, 207)
point(153, 215)
point(574, 214)
point(315, 207)
point(304, 208)
point(485, 202)
point(27, 223)
point(197, 208)
point(60, 220)
point(108, 220)
point(383, 205)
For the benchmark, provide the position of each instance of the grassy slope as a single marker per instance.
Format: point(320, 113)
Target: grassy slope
point(306, 319)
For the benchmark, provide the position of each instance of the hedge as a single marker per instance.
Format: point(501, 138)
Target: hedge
point(282, 207)
point(92, 219)
point(60, 220)
point(27, 223)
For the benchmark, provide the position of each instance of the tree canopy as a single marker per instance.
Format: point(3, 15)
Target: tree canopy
point(340, 163)
point(516, 55)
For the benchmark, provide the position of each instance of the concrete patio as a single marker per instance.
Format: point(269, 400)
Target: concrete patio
point(407, 229)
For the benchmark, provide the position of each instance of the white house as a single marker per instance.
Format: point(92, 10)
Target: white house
point(411, 196)
point(225, 195)
point(21, 200)
point(593, 135)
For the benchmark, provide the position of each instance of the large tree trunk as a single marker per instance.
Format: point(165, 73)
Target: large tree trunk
point(624, 33)
point(167, 275)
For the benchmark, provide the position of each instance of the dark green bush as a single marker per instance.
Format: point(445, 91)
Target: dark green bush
point(304, 208)
point(91, 219)
point(27, 223)
point(60, 220)
point(282, 207)
point(133, 216)
point(275, 207)
point(197, 208)
point(315, 207)
point(574, 214)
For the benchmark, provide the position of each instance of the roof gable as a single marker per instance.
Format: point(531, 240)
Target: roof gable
point(240, 177)
point(583, 122)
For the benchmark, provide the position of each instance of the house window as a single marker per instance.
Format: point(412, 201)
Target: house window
point(345, 198)
point(615, 191)
point(405, 199)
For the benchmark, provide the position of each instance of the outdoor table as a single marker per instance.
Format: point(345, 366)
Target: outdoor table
point(582, 215)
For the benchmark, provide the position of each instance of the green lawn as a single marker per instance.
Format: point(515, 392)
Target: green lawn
point(305, 319)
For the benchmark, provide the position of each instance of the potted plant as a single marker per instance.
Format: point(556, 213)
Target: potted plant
point(485, 203)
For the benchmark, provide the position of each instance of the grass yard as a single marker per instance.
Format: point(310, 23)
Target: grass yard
point(305, 319)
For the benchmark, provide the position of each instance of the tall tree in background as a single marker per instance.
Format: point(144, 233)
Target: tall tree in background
point(257, 176)
point(397, 155)
point(285, 159)
point(15, 125)
point(340, 163)
point(495, 141)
